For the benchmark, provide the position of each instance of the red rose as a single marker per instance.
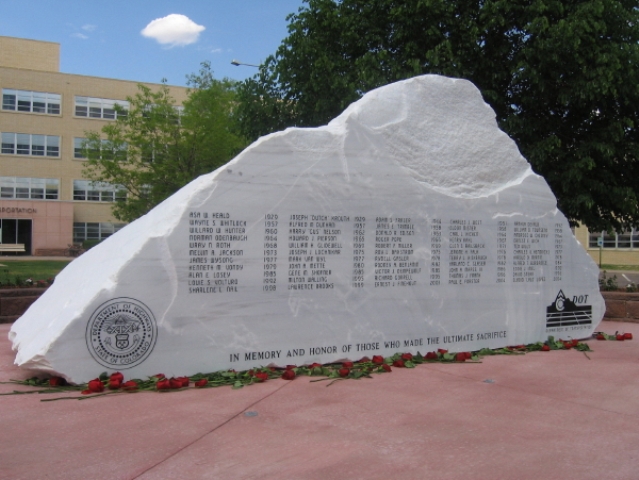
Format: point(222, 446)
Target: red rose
point(130, 386)
point(114, 384)
point(398, 363)
point(202, 382)
point(620, 337)
point(57, 382)
point(441, 351)
point(378, 359)
point(627, 336)
point(251, 372)
point(431, 356)
point(288, 374)
point(343, 372)
point(185, 381)
point(364, 360)
point(567, 345)
point(163, 384)
point(96, 386)
point(175, 383)
point(468, 355)
point(117, 376)
point(347, 364)
point(407, 356)
point(159, 375)
point(601, 336)
point(460, 357)
point(386, 367)
point(315, 365)
point(545, 348)
point(261, 376)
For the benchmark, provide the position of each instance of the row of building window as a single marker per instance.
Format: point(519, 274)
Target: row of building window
point(30, 144)
point(29, 188)
point(616, 240)
point(47, 146)
point(100, 108)
point(49, 188)
point(32, 102)
point(49, 103)
point(86, 190)
point(94, 231)
point(80, 149)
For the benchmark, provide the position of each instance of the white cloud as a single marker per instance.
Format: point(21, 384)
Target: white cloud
point(79, 35)
point(88, 27)
point(216, 50)
point(174, 30)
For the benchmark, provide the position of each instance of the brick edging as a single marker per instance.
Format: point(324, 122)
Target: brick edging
point(15, 301)
point(621, 306)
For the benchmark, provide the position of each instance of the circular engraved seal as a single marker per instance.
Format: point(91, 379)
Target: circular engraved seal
point(121, 333)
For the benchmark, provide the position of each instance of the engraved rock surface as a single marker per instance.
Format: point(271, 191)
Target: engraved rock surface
point(409, 223)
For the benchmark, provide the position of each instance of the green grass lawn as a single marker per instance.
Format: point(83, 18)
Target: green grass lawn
point(14, 272)
point(631, 268)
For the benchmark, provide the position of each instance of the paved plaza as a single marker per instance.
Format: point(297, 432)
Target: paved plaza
point(551, 415)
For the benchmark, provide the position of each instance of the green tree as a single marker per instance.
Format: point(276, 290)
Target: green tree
point(562, 77)
point(157, 147)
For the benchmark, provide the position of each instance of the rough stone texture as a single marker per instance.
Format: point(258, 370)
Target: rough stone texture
point(408, 223)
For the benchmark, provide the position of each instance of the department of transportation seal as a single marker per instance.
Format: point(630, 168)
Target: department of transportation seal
point(121, 333)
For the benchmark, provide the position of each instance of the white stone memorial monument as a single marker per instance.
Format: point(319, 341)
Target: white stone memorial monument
point(409, 223)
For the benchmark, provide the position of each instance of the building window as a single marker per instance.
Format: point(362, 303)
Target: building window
point(29, 188)
point(94, 231)
point(628, 239)
point(79, 148)
point(106, 152)
point(28, 144)
point(100, 108)
point(32, 102)
point(86, 190)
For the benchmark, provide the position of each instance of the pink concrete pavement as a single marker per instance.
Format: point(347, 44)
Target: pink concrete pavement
point(550, 415)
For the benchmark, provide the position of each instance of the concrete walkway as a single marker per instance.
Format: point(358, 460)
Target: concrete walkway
point(550, 415)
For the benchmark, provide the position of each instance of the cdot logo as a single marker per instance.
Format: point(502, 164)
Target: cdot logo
point(565, 312)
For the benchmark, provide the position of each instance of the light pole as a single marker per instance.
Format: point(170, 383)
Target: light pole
point(238, 63)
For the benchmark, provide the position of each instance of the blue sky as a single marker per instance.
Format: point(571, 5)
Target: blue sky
point(103, 38)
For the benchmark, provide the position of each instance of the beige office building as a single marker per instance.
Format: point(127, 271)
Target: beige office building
point(45, 203)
